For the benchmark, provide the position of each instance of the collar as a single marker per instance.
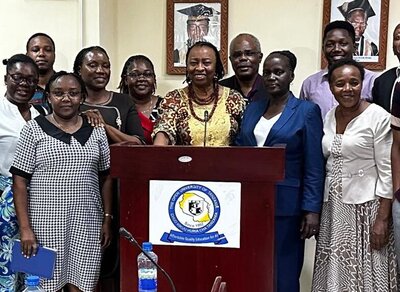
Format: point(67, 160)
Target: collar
point(256, 85)
point(39, 88)
point(398, 72)
point(82, 135)
point(324, 72)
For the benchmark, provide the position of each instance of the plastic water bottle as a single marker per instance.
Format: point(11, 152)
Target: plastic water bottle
point(147, 271)
point(33, 284)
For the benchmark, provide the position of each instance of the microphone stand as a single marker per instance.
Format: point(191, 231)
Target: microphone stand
point(205, 127)
point(125, 233)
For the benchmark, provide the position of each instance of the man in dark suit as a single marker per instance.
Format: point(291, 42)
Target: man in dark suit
point(382, 92)
point(245, 56)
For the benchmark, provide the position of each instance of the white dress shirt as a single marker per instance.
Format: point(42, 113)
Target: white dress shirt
point(366, 144)
point(263, 127)
point(11, 123)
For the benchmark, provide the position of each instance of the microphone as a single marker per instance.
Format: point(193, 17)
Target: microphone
point(125, 233)
point(205, 127)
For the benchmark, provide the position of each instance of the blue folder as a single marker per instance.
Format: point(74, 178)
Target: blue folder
point(42, 264)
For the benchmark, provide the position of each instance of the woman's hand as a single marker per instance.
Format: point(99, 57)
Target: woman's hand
point(29, 245)
point(106, 234)
point(380, 234)
point(94, 118)
point(309, 225)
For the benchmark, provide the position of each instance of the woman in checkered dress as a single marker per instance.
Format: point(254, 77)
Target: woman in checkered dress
point(62, 157)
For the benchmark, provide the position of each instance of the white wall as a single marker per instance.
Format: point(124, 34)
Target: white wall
point(286, 24)
point(128, 27)
point(19, 19)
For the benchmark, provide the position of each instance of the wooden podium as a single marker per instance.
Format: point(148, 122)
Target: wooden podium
point(193, 269)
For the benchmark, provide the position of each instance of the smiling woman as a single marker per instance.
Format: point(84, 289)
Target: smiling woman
point(139, 81)
point(358, 191)
point(117, 111)
point(21, 80)
point(203, 113)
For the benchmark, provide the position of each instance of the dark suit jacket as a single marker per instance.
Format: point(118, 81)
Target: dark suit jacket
point(300, 128)
point(382, 90)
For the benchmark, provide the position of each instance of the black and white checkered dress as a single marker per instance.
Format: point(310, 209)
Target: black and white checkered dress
point(64, 202)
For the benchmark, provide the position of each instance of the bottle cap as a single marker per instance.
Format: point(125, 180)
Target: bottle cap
point(32, 281)
point(147, 246)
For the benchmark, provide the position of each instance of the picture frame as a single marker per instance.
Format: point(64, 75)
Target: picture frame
point(189, 21)
point(372, 32)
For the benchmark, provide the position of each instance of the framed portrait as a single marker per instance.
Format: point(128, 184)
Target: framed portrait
point(370, 21)
point(191, 21)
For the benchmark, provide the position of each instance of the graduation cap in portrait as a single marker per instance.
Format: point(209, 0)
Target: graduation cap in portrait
point(348, 7)
point(199, 12)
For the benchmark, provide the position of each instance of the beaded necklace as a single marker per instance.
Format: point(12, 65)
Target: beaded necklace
point(194, 98)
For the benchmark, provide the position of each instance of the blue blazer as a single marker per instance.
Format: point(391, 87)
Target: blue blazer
point(300, 127)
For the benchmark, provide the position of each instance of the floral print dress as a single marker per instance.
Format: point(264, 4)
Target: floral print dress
point(8, 232)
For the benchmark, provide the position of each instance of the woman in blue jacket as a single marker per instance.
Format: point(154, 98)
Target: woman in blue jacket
point(281, 118)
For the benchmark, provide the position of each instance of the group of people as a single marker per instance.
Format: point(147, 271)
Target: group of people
point(342, 154)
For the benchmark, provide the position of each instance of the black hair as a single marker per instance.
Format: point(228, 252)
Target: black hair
point(39, 34)
point(219, 68)
point(397, 26)
point(340, 24)
point(123, 88)
point(289, 55)
point(20, 58)
point(81, 55)
point(59, 74)
point(344, 62)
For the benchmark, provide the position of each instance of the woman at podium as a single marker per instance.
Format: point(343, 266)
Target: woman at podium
point(284, 119)
point(204, 112)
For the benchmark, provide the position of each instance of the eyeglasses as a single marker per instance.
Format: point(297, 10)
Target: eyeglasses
point(18, 78)
point(135, 75)
point(70, 94)
point(246, 53)
point(361, 24)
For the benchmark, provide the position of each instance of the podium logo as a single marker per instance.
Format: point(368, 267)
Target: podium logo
point(194, 210)
point(196, 207)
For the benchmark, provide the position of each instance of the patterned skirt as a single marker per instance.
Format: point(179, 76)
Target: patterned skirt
point(344, 260)
point(8, 232)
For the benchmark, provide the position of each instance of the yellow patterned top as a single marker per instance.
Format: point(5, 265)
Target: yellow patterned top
point(182, 128)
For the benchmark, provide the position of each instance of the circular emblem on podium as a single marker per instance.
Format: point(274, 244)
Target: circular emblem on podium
point(194, 209)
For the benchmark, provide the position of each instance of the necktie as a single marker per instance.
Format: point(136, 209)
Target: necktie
point(396, 99)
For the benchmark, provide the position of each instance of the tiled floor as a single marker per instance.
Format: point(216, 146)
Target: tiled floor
point(306, 275)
